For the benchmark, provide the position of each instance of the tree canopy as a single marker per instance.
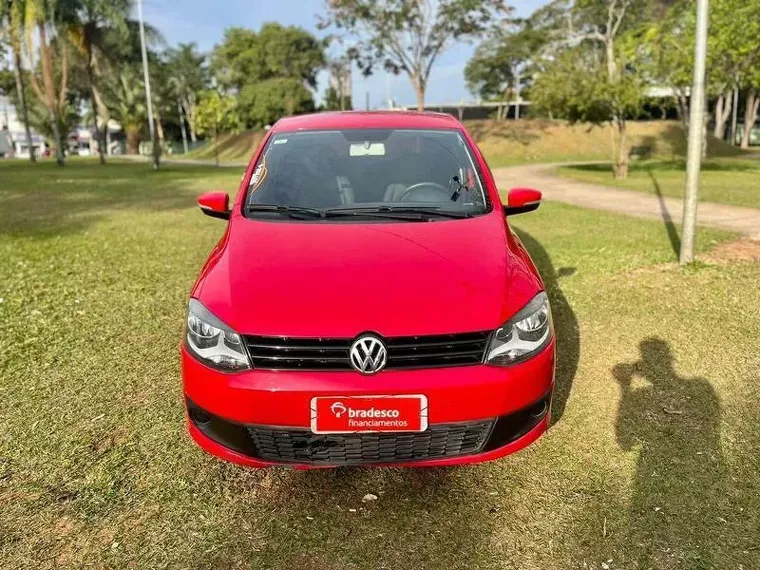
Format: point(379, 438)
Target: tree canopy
point(271, 71)
point(407, 35)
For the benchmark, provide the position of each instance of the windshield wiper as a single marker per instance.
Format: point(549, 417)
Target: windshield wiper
point(375, 213)
point(292, 211)
point(424, 211)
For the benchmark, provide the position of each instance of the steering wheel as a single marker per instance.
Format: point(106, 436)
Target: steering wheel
point(429, 192)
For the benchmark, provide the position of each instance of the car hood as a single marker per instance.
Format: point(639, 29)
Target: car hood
point(341, 279)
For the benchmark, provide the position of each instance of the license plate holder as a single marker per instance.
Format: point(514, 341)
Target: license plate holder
point(368, 414)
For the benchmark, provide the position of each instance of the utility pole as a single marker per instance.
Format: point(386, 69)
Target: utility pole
point(146, 77)
point(696, 125)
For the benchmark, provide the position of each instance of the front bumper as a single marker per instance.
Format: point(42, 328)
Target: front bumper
point(500, 409)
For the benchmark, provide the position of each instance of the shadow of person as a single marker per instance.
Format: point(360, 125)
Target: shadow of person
point(565, 323)
point(677, 495)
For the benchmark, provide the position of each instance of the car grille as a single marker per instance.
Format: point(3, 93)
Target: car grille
point(286, 353)
point(303, 446)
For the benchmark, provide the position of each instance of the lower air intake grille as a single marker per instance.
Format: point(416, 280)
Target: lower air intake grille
point(303, 446)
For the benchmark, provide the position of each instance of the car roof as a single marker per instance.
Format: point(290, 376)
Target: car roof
point(367, 120)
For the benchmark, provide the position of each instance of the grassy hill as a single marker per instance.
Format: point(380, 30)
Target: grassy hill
point(517, 142)
point(231, 147)
point(511, 142)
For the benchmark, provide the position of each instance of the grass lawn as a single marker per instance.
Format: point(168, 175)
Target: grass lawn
point(652, 461)
point(731, 181)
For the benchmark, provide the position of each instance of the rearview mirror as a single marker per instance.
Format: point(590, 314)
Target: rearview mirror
point(215, 204)
point(521, 200)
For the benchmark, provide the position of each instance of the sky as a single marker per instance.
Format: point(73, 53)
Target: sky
point(204, 22)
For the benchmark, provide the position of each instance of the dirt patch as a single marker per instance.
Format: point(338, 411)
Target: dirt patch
point(743, 250)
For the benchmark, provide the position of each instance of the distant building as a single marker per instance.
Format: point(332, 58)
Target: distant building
point(13, 143)
point(80, 141)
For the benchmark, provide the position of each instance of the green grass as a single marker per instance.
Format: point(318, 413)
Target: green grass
point(651, 463)
point(723, 181)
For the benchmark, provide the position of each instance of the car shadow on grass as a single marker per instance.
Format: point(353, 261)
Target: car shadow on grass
point(678, 506)
point(565, 323)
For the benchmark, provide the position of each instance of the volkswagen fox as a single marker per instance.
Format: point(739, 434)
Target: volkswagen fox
point(368, 303)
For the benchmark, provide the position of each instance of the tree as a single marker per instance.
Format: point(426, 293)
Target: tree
point(333, 101)
point(124, 95)
point(503, 63)
point(751, 106)
point(188, 76)
point(162, 93)
point(215, 113)
point(11, 17)
point(245, 57)
point(732, 55)
point(53, 54)
point(90, 22)
point(338, 93)
point(271, 71)
point(408, 35)
point(262, 104)
point(594, 39)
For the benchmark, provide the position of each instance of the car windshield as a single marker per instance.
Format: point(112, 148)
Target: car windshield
point(381, 173)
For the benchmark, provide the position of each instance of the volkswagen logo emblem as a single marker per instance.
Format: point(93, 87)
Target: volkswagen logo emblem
point(368, 354)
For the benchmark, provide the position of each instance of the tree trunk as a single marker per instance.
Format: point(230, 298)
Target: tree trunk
point(159, 128)
point(750, 116)
point(133, 139)
point(188, 106)
point(17, 69)
point(621, 166)
point(611, 64)
point(51, 100)
point(683, 111)
point(419, 91)
point(722, 113)
point(734, 115)
point(216, 146)
point(94, 105)
point(182, 126)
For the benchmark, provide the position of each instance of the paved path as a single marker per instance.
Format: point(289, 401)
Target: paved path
point(743, 220)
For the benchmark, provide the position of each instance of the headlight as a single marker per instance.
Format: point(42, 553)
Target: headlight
point(522, 336)
point(212, 342)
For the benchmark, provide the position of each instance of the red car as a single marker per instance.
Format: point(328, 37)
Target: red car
point(368, 303)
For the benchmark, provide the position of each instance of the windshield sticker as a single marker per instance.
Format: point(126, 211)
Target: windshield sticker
point(258, 176)
point(281, 141)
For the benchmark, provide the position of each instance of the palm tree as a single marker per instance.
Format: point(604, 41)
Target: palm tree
point(125, 97)
point(43, 16)
point(11, 13)
point(90, 23)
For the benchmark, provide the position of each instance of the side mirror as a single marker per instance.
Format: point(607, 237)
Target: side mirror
point(521, 200)
point(215, 204)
